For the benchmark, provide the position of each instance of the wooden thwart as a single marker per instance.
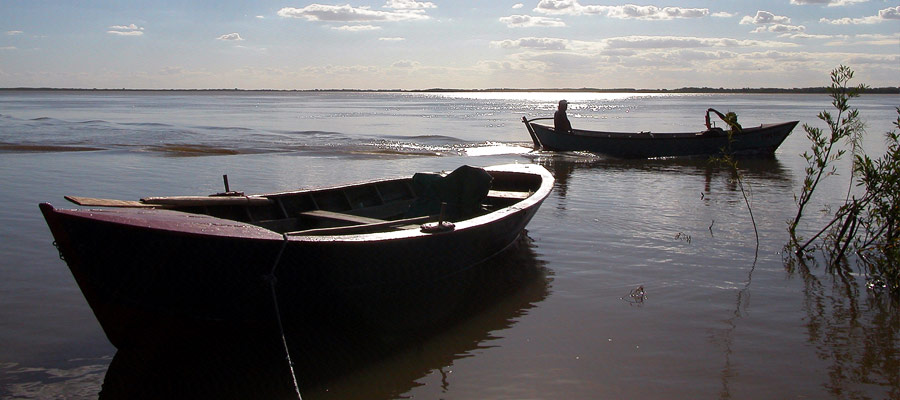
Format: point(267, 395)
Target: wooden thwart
point(506, 194)
point(354, 219)
point(341, 230)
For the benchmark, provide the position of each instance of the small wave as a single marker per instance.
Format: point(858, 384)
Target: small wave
point(93, 121)
point(223, 128)
point(395, 152)
point(315, 134)
point(428, 138)
point(493, 149)
point(76, 378)
point(43, 148)
point(194, 150)
point(146, 124)
point(416, 148)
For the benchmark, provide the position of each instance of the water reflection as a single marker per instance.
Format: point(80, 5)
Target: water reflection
point(726, 337)
point(766, 169)
point(856, 333)
point(332, 360)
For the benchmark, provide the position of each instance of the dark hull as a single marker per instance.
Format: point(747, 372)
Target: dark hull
point(154, 275)
point(762, 140)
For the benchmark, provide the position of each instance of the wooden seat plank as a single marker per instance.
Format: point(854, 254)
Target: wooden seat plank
point(506, 194)
point(355, 219)
point(350, 229)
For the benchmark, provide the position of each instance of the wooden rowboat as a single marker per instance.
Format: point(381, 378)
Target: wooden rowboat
point(165, 267)
point(761, 140)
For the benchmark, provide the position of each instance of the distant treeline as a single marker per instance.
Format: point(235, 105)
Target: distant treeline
point(811, 90)
point(824, 90)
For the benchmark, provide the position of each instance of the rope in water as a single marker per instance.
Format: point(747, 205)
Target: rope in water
point(271, 278)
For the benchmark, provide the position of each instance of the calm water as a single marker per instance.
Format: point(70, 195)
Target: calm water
point(720, 319)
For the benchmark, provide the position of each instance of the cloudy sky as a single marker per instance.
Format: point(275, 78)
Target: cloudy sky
point(469, 44)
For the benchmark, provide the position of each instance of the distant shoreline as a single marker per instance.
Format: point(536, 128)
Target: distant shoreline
point(809, 90)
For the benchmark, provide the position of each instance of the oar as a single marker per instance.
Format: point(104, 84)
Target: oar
point(173, 201)
point(95, 202)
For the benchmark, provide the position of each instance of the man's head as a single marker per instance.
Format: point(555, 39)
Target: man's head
point(563, 104)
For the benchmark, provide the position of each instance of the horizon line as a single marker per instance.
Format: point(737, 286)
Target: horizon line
point(703, 89)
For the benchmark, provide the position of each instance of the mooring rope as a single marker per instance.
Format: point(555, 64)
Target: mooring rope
point(271, 278)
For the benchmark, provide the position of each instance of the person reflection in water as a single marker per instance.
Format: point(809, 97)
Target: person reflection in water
point(560, 120)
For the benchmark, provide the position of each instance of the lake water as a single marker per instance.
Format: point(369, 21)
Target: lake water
point(720, 318)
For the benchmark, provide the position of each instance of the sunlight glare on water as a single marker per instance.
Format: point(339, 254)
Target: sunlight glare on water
point(548, 97)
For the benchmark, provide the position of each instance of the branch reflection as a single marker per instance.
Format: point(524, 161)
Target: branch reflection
point(856, 333)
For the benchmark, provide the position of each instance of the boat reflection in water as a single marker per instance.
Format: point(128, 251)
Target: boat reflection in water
point(765, 169)
point(338, 357)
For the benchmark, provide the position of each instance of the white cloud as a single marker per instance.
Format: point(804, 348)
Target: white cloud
point(357, 28)
point(564, 63)
point(405, 64)
point(533, 43)
point(627, 45)
point(527, 21)
point(230, 37)
point(887, 14)
point(408, 4)
point(772, 23)
point(810, 36)
point(890, 13)
point(392, 39)
point(682, 42)
point(125, 33)
point(829, 3)
point(849, 40)
point(559, 7)
point(780, 28)
point(628, 11)
point(851, 21)
point(13, 33)
point(874, 59)
point(517, 6)
point(348, 13)
point(130, 27)
point(722, 14)
point(8, 48)
point(652, 12)
point(126, 30)
point(876, 39)
point(765, 17)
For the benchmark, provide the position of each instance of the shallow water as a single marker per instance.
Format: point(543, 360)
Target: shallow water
point(718, 319)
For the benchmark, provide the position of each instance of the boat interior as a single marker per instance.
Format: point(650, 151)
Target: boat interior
point(378, 206)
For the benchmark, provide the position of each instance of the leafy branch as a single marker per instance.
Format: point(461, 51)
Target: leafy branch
point(867, 225)
point(820, 163)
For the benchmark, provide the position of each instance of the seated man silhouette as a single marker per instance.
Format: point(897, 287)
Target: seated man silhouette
point(560, 120)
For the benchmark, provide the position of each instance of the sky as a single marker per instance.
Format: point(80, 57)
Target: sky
point(460, 44)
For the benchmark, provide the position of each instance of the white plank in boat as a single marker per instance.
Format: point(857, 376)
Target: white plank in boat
point(505, 194)
point(341, 230)
point(341, 217)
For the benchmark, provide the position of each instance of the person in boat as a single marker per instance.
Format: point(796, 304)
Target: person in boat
point(560, 120)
